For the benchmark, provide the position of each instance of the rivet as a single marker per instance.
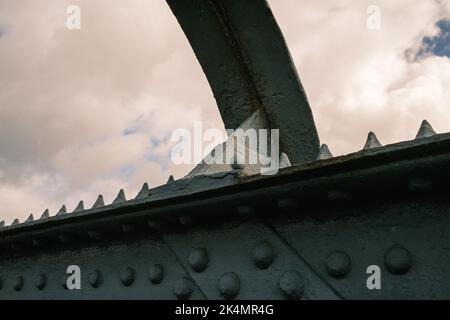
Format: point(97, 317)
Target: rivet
point(338, 264)
point(41, 281)
point(183, 288)
point(64, 281)
point(263, 255)
point(229, 285)
point(198, 259)
point(398, 260)
point(18, 283)
point(292, 285)
point(127, 277)
point(156, 273)
point(95, 278)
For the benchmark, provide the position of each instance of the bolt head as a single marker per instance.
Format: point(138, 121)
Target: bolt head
point(156, 273)
point(398, 260)
point(183, 288)
point(198, 259)
point(18, 283)
point(64, 281)
point(292, 285)
point(127, 277)
point(95, 279)
point(229, 285)
point(263, 255)
point(41, 281)
point(338, 264)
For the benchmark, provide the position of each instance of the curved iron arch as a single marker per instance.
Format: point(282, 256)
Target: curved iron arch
point(246, 60)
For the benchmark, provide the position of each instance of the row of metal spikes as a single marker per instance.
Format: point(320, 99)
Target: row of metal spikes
point(120, 198)
point(372, 142)
point(425, 131)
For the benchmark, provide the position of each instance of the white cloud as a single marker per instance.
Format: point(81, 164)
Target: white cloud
point(358, 79)
point(67, 98)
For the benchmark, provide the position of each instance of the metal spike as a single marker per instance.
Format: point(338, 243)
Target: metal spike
point(45, 214)
point(2, 223)
point(15, 222)
point(30, 218)
point(284, 161)
point(171, 179)
point(80, 207)
point(62, 211)
point(120, 197)
point(99, 202)
point(144, 193)
point(425, 131)
point(372, 141)
point(324, 153)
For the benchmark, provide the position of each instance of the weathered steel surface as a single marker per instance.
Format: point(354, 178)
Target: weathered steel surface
point(309, 232)
point(407, 239)
point(247, 63)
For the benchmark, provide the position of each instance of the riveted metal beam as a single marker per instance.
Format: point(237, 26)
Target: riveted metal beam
point(245, 261)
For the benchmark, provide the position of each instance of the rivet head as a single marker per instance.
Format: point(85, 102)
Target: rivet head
point(64, 281)
point(398, 260)
point(95, 279)
point(229, 285)
point(156, 273)
point(263, 255)
point(18, 283)
point(292, 285)
point(127, 277)
point(183, 288)
point(338, 264)
point(198, 259)
point(41, 281)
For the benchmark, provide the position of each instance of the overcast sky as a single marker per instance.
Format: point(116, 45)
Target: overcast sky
point(90, 111)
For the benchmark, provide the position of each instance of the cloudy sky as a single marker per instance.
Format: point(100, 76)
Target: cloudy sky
point(90, 111)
